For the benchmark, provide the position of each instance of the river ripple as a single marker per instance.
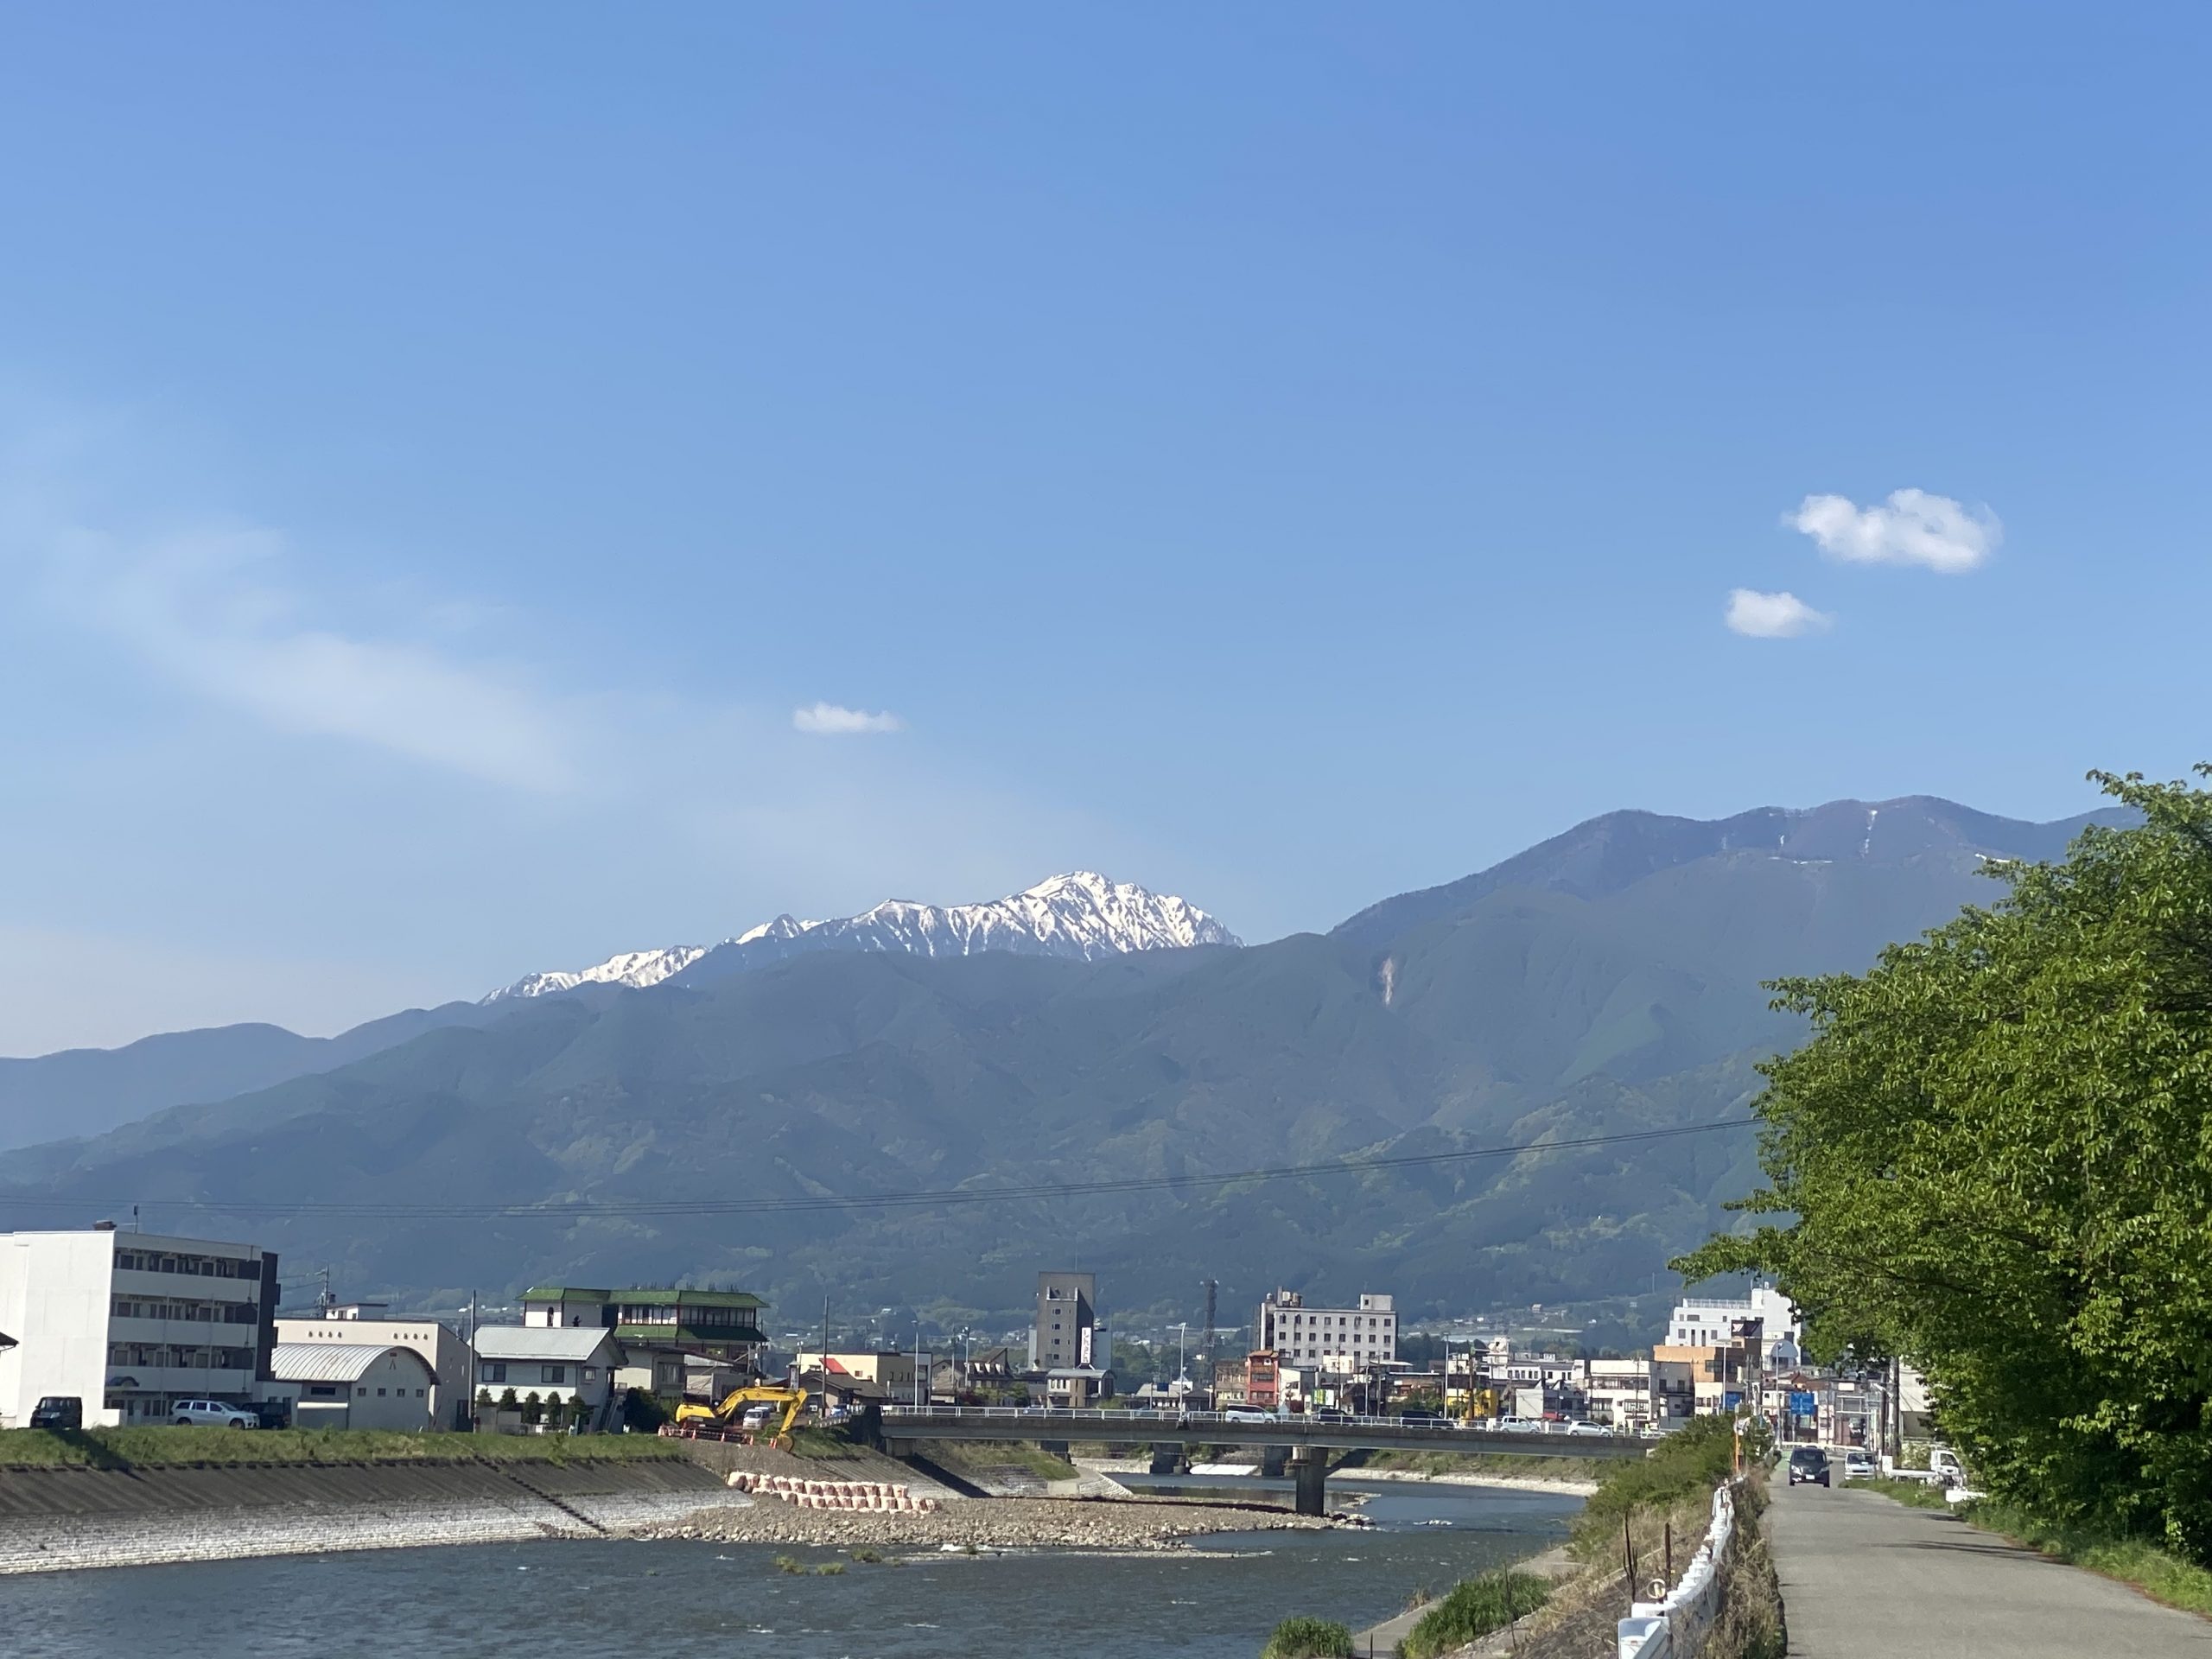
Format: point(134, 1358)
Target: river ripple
point(602, 1600)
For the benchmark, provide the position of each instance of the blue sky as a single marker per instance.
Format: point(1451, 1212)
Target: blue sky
point(1282, 454)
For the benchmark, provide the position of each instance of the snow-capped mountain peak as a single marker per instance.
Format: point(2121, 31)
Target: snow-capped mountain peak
point(636, 969)
point(1079, 914)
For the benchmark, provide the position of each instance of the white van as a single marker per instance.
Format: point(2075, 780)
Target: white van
point(213, 1414)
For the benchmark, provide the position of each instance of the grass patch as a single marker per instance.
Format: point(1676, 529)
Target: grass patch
point(1479, 1465)
point(2161, 1576)
point(163, 1447)
point(820, 1443)
point(1305, 1637)
point(1913, 1494)
point(790, 1565)
point(977, 1465)
point(868, 1557)
point(1474, 1608)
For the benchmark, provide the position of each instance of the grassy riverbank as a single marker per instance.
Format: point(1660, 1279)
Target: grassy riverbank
point(171, 1448)
point(1478, 1466)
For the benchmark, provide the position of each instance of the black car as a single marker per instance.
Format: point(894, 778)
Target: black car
point(1422, 1419)
point(59, 1411)
point(1809, 1465)
point(1324, 1414)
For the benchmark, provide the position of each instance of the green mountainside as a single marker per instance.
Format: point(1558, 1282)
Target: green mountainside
point(1507, 1014)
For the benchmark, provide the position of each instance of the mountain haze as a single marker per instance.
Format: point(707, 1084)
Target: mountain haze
point(1605, 982)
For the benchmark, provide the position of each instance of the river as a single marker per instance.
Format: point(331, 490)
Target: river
point(616, 1599)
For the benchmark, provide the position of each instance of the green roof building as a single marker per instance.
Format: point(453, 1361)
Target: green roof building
point(717, 1322)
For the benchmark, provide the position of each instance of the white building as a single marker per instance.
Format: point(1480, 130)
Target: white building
point(356, 1385)
point(1366, 1334)
point(370, 1325)
point(129, 1323)
point(1620, 1392)
point(552, 1362)
point(1707, 1322)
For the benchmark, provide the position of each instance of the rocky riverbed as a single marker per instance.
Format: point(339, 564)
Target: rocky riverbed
point(989, 1523)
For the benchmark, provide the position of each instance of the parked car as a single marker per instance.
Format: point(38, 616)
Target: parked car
point(58, 1411)
point(1808, 1466)
point(213, 1414)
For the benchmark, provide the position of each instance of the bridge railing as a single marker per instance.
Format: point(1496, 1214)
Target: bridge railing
point(1155, 1416)
point(1676, 1625)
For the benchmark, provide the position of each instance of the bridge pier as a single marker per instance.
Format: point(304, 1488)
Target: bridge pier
point(1310, 1464)
point(1273, 1460)
point(1173, 1457)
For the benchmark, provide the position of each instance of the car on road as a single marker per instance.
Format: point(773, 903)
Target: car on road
point(1327, 1415)
point(213, 1414)
point(1521, 1425)
point(1808, 1466)
point(1858, 1465)
point(1422, 1418)
point(1588, 1428)
point(1248, 1415)
point(58, 1411)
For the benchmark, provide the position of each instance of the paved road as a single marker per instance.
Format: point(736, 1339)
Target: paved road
point(1863, 1576)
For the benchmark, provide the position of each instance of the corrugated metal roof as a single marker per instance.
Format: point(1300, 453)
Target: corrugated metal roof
point(333, 1362)
point(555, 1342)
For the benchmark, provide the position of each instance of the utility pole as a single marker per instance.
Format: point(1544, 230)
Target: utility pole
point(1212, 1288)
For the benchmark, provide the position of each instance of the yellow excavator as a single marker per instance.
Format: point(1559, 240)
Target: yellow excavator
point(690, 1419)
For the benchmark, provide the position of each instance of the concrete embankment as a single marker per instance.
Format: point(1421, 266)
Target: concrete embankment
point(53, 1520)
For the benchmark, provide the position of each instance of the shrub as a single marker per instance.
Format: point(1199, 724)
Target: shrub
point(1304, 1638)
point(789, 1564)
point(1694, 1458)
point(533, 1408)
point(508, 1402)
point(1474, 1608)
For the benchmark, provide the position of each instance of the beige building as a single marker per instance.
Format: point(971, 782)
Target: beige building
point(894, 1372)
point(356, 1385)
point(370, 1325)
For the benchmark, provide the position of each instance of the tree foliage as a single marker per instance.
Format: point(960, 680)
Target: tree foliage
point(1996, 1151)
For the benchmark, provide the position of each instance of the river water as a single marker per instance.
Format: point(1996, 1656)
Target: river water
point(602, 1600)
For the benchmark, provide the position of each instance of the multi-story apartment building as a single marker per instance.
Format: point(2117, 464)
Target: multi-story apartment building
point(1065, 1335)
point(1365, 1335)
point(129, 1323)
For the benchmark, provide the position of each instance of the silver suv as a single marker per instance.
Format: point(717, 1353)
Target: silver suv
point(218, 1414)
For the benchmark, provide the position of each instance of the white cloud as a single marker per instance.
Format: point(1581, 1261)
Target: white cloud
point(1772, 616)
point(1912, 527)
point(208, 608)
point(828, 720)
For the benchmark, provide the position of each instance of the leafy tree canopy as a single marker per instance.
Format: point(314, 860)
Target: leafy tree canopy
point(1995, 1150)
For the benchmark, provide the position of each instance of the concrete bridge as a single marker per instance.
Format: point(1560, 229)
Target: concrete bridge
point(1308, 1440)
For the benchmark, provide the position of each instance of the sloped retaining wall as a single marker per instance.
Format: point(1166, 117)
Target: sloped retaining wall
point(53, 1520)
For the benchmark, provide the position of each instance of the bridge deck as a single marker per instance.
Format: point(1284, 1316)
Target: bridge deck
point(1216, 1428)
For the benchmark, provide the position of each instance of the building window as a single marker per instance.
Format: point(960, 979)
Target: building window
point(556, 1374)
point(495, 1372)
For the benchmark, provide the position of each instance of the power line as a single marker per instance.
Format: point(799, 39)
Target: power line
point(587, 1209)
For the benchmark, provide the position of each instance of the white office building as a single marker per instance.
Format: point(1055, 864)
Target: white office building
point(1712, 1321)
point(129, 1323)
point(1354, 1337)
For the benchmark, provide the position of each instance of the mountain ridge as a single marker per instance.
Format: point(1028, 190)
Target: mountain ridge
point(1609, 986)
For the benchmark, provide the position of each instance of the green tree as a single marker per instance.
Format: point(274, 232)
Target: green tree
point(1993, 1159)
